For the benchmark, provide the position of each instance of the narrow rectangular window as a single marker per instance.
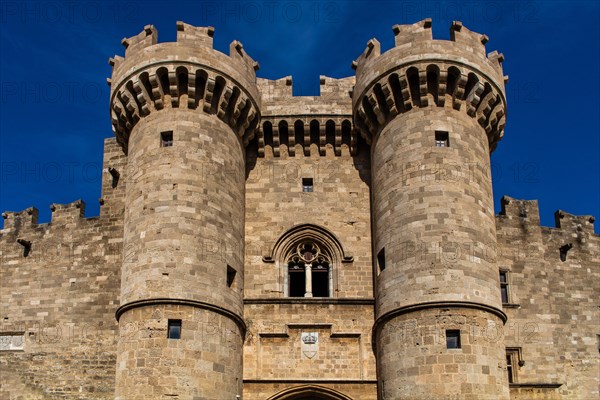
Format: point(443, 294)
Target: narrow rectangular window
point(504, 286)
point(441, 139)
point(174, 329)
point(453, 339)
point(166, 139)
point(513, 361)
point(509, 368)
point(231, 273)
point(381, 259)
point(320, 280)
point(307, 184)
point(296, 280)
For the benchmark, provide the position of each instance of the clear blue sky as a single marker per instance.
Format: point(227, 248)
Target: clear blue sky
point(54, 98)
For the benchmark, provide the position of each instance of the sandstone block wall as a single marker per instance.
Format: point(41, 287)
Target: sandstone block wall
point(182, 201)
point(435, 223)
point(553, 304)
point(275, 202)
point(203, 364)
point(61, 298)
point(414, 346)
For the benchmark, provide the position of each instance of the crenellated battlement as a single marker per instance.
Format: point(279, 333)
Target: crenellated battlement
point(272, 90)
point(511, 208)
point(20, 219)
point(419, 31)
point(576, 223)
point(420, 72)
point(111, 202)
point(187, 73)
point(322, 120)
point(416, 40)
point(67, 213)
point(526, 213)
point(146, 38)
point(190, 35)
point(62, 214)
point(275, 93)
point(145, 47)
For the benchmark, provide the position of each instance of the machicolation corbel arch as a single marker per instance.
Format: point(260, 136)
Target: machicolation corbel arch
point(419, 71)
point(229, 87)
point(155, 76)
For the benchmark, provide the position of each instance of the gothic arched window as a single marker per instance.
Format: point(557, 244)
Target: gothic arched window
point(309, 258)
point(309, 271)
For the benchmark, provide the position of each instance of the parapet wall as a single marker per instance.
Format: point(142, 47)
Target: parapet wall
point(188, 73)
point(277, 98)
point(114, 175)
point(59, 288)
point(552, 280)
point(420, 71)
point(526, 215)
point(291, 124)
point(194, 44)
point(415, 43)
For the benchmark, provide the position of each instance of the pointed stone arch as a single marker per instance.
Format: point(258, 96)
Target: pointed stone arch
point(309, 392)
point(308, 231)
point(329, 246)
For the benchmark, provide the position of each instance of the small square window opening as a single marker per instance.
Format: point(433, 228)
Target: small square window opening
point(166, 139)
point(307, 184)
point(441, 139)
point(174, 329)
point(453, 339)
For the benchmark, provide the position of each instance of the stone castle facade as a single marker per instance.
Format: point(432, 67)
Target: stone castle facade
point(258, 245)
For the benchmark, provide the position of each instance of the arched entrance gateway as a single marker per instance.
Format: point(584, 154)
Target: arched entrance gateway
point(309, 393)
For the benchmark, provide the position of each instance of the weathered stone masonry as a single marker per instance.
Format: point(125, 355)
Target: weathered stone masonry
point(257, 244)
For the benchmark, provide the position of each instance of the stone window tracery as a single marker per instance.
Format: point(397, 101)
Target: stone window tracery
point(309, 271)
point(308, 258)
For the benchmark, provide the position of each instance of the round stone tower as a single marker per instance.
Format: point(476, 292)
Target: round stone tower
point(433, 111)
point(183, 112)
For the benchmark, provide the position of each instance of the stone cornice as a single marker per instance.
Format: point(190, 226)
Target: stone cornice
point(184, 85)
point(311, 300)
point(182, 302)
point(431, 82)
point(439, 304)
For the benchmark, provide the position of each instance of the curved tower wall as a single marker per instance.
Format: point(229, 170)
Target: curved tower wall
point(184, 229)
point(433, 219)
